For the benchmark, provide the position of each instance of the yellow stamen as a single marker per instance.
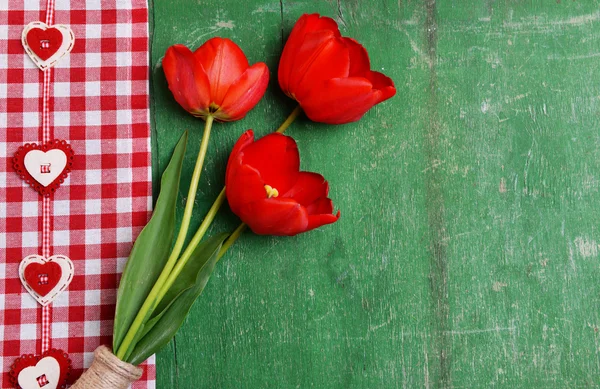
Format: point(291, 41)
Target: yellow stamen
point(271, 192)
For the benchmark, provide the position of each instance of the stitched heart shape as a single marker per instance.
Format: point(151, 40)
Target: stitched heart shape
point(44, 167)
point(49, 370)
point(45, 278)
point(45, 44)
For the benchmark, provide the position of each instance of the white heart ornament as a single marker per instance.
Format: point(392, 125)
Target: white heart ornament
point(66, 45)
point(45, 167)
point(45, 374)
point(66, 276)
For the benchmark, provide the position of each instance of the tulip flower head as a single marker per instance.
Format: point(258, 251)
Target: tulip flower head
point(329, 75)
point(266, 189)
point(215, 80)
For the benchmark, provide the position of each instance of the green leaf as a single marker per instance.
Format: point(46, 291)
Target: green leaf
point(151, 249)
point(173, 309)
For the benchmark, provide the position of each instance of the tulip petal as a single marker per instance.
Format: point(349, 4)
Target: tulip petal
point(344, 100)
point(224, 62)
point(340, 100)
point(308, 188)
point(187, 80)
point(243, 184)
point(383, 83)
point(322, 205)
point(331, 59)
point(275, 217)
point(244, 187)
point(288, 64)
point(245, 93)
point(234, 160)
point(315, 221)
point(320, 213)
point(276, 157)
point(360, 64)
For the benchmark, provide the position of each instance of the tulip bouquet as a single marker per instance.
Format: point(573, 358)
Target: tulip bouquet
point(330, 78)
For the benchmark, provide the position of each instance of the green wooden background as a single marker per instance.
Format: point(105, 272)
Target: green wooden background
point(467, 254)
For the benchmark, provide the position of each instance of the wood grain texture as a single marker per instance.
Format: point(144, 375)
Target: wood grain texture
point(467, 255)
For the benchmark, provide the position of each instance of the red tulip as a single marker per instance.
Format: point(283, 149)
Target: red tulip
point(267, 190)
point(329, 75)
point(215, 79)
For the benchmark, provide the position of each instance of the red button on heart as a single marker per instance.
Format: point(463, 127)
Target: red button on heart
point(43, 277)
point(44, 43)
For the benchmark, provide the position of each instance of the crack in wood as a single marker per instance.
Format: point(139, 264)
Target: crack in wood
point(435, 210)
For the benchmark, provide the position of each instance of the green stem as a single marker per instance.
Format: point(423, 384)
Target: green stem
point(210, 216)
point(290, 119)
point(189, 204)
point(231, 240)
point(149, 303)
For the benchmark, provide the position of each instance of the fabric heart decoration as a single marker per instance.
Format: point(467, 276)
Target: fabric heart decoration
point(49, 370)
point(45, 44)
point(49, 272)
point(44, 167)
point(45, 278)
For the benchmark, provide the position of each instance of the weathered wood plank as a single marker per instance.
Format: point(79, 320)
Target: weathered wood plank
point(519, 158)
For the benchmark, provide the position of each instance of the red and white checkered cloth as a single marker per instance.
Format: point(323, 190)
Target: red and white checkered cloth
point(99, 104)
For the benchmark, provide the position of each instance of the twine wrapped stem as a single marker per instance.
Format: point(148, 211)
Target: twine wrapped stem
point(108, 372)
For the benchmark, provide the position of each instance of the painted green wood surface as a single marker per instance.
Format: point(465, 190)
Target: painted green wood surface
point(467, 255)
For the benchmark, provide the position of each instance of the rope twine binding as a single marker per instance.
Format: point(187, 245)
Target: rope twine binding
point(108, 372)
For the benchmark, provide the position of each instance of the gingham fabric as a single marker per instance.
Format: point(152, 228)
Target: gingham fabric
point(99, 104)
